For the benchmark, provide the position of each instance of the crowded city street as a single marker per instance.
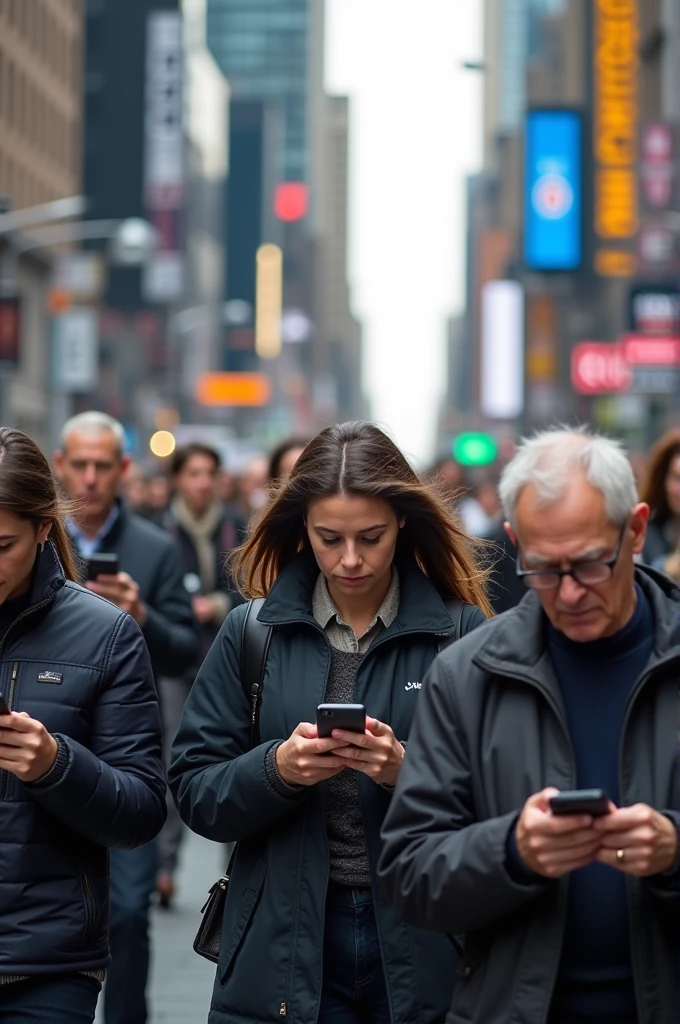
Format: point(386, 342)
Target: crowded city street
point(339, 511)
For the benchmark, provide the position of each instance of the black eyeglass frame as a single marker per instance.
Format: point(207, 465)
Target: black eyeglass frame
point(573, 572)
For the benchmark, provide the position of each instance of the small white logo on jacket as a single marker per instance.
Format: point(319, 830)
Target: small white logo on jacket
point(413, 686)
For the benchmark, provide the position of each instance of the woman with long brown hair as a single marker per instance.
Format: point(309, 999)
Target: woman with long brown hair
point(661, 491)
point(80, 765)
point(359, 563)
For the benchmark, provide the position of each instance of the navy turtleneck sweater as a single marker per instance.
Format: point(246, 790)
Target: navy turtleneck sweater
point(595, 983)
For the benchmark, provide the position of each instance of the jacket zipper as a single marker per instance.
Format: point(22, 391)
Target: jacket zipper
point(90, 908)
point(562, 891)
point(6, 781)
point(283, 1010)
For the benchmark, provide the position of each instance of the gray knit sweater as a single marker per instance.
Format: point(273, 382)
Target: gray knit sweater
point(344, 823)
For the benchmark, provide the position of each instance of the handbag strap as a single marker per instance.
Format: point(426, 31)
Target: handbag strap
point(255, 640)
point(455, 607)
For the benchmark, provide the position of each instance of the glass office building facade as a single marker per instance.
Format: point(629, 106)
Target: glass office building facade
point(263, 48)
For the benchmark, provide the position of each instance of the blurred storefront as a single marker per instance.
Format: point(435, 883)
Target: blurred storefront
point(608, 73)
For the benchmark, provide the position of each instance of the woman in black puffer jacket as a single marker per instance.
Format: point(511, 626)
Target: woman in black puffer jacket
point(80, 760)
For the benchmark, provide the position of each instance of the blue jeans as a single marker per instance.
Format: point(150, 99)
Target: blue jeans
point(50, 999)
point(133, 880)
point(353, 989)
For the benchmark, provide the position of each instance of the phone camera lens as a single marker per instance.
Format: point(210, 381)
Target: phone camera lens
point(327, 714)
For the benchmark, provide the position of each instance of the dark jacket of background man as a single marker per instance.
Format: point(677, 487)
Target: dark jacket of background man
point(151, 557)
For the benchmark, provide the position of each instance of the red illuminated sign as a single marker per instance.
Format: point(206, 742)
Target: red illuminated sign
point(642, 350)
point(599, 368)
point(291, 200)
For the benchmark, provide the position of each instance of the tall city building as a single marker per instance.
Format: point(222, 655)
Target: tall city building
point(40, 161)
point(263, 47)
point(288, 185)
point(40, 99)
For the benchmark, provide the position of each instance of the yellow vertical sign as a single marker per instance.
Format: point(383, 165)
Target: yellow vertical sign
point(616, 65)
point(268, 301)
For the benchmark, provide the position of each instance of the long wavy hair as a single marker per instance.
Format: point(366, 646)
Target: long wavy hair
point(29, 491)
point(653, 490)
point(359, 459)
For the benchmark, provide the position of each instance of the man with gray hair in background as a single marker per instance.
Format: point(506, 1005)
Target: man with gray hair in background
point(146, 581)
point(569, 902)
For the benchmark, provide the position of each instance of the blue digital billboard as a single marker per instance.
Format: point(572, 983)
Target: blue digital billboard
point(552, 190)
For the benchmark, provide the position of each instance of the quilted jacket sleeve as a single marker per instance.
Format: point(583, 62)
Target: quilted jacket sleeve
point(113, 792)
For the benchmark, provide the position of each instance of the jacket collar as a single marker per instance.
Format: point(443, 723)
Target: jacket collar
point(508, 655)
point(421, 609)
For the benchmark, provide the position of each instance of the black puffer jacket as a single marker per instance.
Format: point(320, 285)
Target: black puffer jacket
point(490, 730)
point(80, 666)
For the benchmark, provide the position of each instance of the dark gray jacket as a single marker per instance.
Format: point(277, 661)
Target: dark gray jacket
point(490, 730)
point(153, 561)
point(271, 962)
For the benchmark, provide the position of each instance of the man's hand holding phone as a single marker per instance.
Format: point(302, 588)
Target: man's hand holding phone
point(637, 840)
point(105, 580)
point(561, 832)
point(553, 845)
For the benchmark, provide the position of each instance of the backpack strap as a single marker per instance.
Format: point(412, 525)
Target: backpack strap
point(455, 607)
point(255, 640)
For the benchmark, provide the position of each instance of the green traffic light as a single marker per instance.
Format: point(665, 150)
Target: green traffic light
point(473, 449)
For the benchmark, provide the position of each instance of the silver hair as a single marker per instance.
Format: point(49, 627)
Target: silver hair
point(93, 423)
point(549, 459)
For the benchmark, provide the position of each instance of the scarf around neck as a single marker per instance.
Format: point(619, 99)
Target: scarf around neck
point(201, 532)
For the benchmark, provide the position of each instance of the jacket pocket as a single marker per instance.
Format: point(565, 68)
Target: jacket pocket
point(231, 942)
point(468, 983)
point(89, 903)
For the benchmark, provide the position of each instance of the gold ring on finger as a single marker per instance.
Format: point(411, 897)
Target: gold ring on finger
point(620, 856)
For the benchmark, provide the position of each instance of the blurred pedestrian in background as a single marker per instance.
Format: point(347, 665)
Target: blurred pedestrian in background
point(253, 487)
point(135, 489)
point(356, 558)
point(205, 534)
point(661, 491)
point(80, 753)
point(283, 458)
point(146, 582)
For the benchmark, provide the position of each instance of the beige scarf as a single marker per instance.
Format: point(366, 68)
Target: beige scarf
point(201, 532)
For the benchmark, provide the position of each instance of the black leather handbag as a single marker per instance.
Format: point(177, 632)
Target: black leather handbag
point(254, 645)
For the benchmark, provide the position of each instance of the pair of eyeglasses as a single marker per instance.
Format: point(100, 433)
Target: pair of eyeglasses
point(587, 575)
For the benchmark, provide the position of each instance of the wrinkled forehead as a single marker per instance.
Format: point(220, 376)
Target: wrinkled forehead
point(573, 526)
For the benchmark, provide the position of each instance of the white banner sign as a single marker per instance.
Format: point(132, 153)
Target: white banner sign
point(76, 355)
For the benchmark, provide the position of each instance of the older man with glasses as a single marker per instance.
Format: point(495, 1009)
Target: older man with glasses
point(569, 918)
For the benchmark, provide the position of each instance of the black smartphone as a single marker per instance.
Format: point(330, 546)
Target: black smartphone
point(4, 710)
point(581, 801)
point(350, 717)
point(101, 564)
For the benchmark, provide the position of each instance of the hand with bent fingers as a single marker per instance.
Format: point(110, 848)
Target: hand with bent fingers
point(553, 845)
point(27, 749)
point(376, 752)
point(647, 839)
point(121, 590)
point(304, 759)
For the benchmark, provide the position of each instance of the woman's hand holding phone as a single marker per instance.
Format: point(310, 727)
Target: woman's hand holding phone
point(376, 752)
point(303, 759)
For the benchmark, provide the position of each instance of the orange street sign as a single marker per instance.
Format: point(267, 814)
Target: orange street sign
point(233, 389)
